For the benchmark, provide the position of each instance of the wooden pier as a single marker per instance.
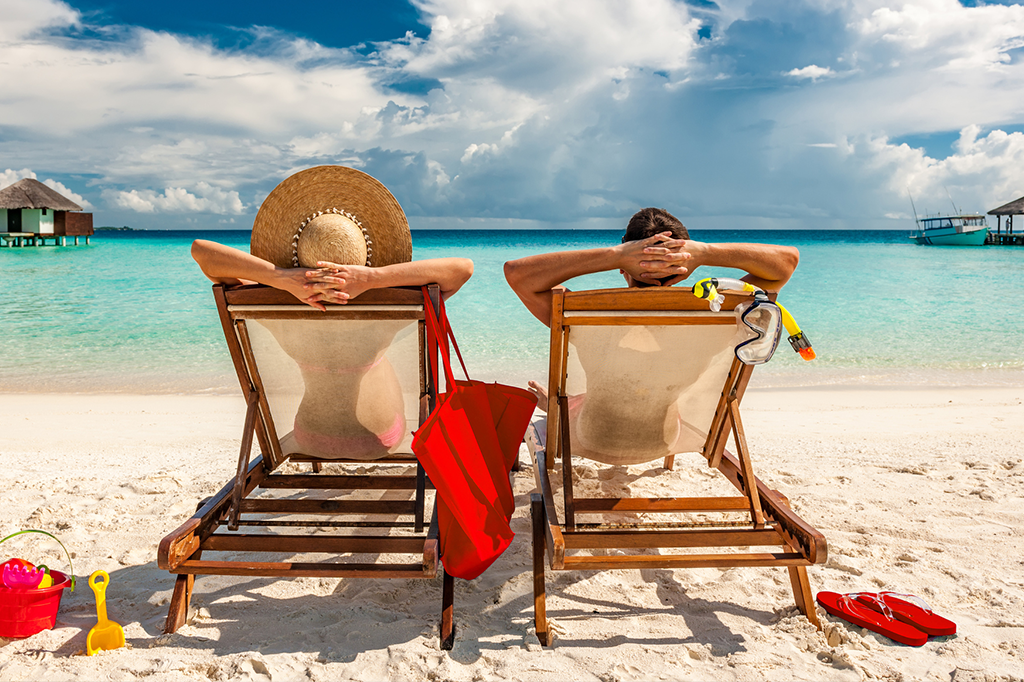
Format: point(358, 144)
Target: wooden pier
point(1006, 237)
point(14, 239)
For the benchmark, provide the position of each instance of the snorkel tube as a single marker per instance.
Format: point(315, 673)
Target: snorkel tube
point(707, 289)
point(797, 339)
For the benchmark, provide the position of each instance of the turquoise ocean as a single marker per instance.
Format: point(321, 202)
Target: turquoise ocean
point(132, 312)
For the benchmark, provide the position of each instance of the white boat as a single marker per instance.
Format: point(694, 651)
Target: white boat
point(952, 230)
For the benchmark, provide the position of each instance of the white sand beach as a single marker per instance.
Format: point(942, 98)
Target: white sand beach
point(918, 491)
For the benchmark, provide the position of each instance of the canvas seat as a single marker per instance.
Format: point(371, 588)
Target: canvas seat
point(335, 396)
point(637, 375)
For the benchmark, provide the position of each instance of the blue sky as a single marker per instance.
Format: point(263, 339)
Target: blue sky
point(226, 23)
point(520, 113)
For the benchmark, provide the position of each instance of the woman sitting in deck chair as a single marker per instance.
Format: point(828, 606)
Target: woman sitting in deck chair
point(326, 235)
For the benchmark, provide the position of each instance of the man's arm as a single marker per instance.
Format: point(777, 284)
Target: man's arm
point(768, 266)
point(533, 277)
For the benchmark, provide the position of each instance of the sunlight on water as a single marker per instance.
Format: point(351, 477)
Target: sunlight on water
point(132, 312)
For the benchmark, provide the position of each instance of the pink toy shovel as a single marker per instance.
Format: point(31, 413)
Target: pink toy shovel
point(17, 575)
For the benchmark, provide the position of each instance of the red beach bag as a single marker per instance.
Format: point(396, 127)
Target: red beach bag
point(467, 446)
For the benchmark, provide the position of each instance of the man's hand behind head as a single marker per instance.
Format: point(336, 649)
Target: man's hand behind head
point(660, 260)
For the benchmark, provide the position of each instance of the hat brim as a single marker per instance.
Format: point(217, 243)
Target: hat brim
point(321, 189)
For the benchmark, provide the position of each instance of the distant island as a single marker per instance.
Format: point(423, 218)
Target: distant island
point(119, 229)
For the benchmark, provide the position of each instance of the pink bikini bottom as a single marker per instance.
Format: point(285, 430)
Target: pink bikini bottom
point(325, 445)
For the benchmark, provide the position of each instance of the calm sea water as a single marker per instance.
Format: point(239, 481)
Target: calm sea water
point(133, 313)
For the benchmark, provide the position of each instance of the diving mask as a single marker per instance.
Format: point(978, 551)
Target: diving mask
point(762, 321)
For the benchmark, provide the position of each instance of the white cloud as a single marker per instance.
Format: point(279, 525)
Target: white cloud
point(946, 34)
point(814, 72)
point(982, 173)
point(533, 45)
point(206, 199)
point(145, 79)
point(10, 176)
point(478, 150)
point(62, 189)
point(533, 110)
point(25, 18)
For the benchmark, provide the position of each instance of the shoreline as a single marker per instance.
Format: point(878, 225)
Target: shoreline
point(916, 490)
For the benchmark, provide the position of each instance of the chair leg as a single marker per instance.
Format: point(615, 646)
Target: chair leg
point(421, 498)
point(540, 615)
point(802, 593)
point(177, 613)
point(447, 611)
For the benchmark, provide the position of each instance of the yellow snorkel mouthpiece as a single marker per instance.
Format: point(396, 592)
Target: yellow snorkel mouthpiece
point(707, 289)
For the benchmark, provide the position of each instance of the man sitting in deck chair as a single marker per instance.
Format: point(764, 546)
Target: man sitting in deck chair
point(663, 375)
point(655, 251)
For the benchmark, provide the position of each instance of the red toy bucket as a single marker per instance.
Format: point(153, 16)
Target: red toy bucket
point(26, 611)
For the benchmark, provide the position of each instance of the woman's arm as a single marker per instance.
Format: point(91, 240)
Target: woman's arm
point(226, 265)
point(329, 283)
point(338, 283)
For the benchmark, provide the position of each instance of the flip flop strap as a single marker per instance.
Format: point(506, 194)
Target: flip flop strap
point(849, 599)
point(912, 598)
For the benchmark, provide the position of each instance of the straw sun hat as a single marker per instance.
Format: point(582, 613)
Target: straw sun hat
point(331, 213)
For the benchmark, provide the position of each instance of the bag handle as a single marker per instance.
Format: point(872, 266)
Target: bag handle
point(432, 324)
point(433, 330)
point(451, 335)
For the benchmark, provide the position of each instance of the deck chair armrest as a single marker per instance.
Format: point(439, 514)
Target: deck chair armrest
point(181, 543)
point(797, 532)
point(259, 294)
point(178, 545)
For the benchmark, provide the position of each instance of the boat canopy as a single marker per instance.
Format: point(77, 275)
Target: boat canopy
point(952, 221)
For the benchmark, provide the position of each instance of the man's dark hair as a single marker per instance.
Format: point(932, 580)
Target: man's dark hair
point(648, 222)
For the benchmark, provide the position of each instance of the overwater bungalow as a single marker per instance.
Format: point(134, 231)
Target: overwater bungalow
point(32, 213)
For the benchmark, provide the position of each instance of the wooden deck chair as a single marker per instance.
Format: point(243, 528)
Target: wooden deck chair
point(339, 387)
point(662, 364)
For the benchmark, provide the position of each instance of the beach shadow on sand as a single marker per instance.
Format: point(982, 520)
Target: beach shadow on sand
point(233, 615)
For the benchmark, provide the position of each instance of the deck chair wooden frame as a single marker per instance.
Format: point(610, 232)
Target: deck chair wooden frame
point(216, 523)
point(772, 523)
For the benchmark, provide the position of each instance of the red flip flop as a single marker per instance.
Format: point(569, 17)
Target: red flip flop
point(917, 614)
point(845, 607)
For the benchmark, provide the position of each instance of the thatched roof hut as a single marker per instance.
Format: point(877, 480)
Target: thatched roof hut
point(1009, 210)
point(29, 193)
point(1015, 207)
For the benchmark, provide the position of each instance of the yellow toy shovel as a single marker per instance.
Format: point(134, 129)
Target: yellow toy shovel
point(106, 634)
